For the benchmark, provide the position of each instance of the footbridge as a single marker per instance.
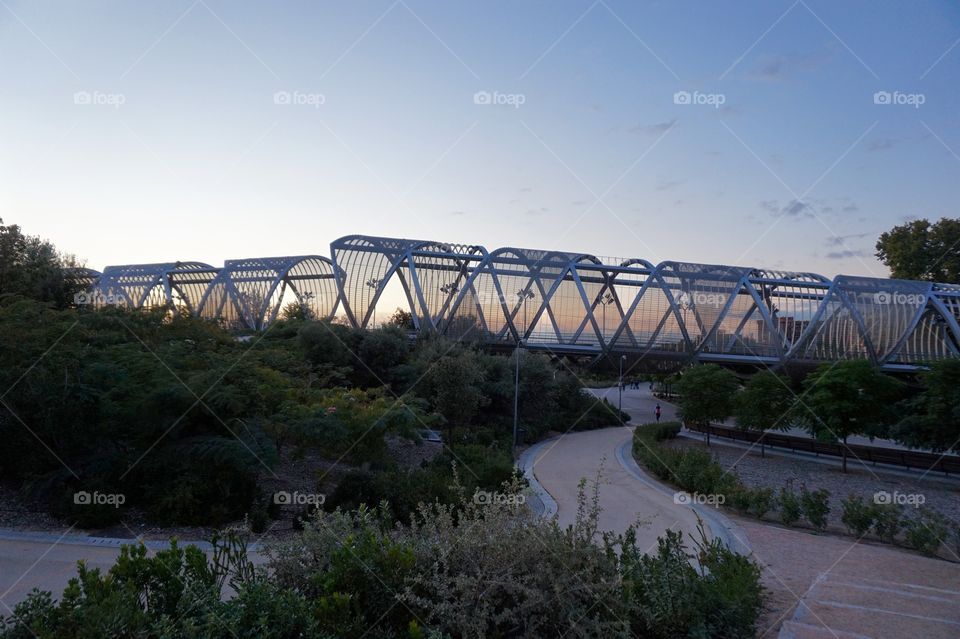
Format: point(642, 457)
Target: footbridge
point(568, 303)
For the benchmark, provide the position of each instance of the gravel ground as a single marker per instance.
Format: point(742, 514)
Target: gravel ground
point(775, 471)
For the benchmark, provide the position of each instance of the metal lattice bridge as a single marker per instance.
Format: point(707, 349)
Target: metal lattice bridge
point(566, 303)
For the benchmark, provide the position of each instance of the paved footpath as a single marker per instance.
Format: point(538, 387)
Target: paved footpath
point(47, 565)
point(48, 561)
point(560, 464)
point(820, 586)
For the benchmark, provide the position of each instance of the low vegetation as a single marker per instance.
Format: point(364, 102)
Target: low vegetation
point(464, 569)
point(694, 470)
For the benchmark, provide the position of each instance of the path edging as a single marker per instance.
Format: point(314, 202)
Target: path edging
point(547, 505)
point(102, 542)
point(723, 528)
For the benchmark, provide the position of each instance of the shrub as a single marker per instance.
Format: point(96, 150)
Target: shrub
point(762, 501)
point(463, 569)
point(858, 516)
point(691, 469)
point(740, 500)
point(887, 522)
point(674, 599)
point(495, 569)
point(659, 431)
point(176, 592)
point(258, 518)
point(789, 506)
point(816, 506)
point(925, 531)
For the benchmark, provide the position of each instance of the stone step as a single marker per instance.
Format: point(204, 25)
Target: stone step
point(877, 622)
point(798, 630)
point(905, 599)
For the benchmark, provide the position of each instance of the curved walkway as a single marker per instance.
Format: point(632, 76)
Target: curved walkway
point(820, 586)
point(46, 561)
point(626, 494)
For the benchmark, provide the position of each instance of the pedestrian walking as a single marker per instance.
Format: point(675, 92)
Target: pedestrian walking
point(656, 411)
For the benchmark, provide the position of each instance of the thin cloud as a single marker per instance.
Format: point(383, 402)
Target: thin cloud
point(846, 254)
point(841, 240)
point(882, 144)
point(666, 185)
point(653, 129)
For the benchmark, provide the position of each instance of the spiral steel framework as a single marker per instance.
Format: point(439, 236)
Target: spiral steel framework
point(570, 303)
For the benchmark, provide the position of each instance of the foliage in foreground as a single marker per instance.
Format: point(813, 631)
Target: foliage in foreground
point(463, 570)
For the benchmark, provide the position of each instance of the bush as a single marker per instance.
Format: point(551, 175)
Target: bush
point(658, 431)
point(176, 592)
point(887, 522)
point(494, 569)
point(673, 599)
point(816, 506)
point(789, 506)
point(925, 531)
point(762, 501)
point(740, 500)
point(691, 469)
point(858, 516)
point(468, 569)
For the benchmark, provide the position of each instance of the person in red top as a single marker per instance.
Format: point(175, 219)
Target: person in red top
point(656, 411)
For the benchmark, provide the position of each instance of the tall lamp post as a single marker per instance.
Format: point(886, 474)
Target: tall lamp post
point(623, 358)
point(522, 295)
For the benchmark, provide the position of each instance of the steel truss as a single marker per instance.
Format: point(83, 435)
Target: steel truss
point(570, 302)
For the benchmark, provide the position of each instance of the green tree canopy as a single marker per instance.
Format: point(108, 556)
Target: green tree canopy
point(933, 418)
point(707, 394)
point(32, 267)
point(765, 403)
point(921, 250)
point(848, 398)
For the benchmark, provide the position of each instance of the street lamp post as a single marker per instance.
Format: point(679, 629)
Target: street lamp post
point(522, 295)
point(623, 358)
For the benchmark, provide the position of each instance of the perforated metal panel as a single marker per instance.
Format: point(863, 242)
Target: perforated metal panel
point(570, 302)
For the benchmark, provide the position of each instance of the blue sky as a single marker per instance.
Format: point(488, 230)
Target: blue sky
point(209, 130)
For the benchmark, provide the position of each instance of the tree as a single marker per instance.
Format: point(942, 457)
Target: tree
point(707, 394)
point(456, 383)
point(764, 403)
point(401, 319)
point(933, 416)
point(32, 267)
point(919, 250)
point(848, 398)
